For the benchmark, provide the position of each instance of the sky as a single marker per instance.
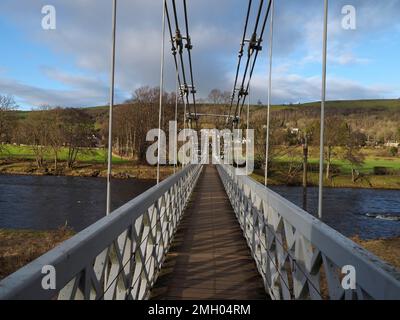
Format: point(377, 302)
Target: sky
point(70, 66)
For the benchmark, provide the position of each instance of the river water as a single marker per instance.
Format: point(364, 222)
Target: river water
point(48, 202)
point(369, 213)
point(41, 203)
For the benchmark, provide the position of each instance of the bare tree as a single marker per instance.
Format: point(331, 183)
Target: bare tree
point(216, 96)
point(7, 118)
point(36, 130)
point(77, 133)
point(55, 136)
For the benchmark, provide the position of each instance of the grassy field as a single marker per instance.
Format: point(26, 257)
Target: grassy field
point(364, 104)
point(341, 181)
point(91, 163)
point(21, 160)
point(342, 104)
point(373, 158)
point(96, 155)
point(368, 179)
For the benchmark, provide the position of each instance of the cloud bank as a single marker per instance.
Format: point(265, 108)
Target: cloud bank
point(83, 34)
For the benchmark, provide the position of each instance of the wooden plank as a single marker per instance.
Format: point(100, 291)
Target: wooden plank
point(209, 257)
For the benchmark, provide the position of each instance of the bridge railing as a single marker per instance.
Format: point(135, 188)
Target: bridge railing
point(118, 257)
point(300, 257)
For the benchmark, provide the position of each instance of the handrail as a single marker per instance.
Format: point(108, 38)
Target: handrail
point(298, 255)
point(130, 243)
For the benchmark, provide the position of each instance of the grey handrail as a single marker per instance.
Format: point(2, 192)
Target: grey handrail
point(299, 255)
point(132, 241)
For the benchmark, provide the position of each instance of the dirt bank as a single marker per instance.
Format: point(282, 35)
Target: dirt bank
point(120, 171)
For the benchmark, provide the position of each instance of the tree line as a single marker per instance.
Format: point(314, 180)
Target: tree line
point(50, 130)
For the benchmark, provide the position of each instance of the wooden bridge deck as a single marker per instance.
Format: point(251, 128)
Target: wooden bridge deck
point(209, 257)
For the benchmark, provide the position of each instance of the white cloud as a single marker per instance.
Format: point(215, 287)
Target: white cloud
point(293, 88)
point(84, 31)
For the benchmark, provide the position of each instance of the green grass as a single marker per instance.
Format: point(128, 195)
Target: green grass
point(345, 167)
point(26, 153)
point(373, 158)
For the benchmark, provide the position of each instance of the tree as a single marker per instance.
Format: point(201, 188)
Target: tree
point(55, 137)
point(335, 133)
point(136, 117)
point(77, 132)
point(36, 131)
point(7, 118)
point(306, 135)
point(216, 96)
point(353, 140)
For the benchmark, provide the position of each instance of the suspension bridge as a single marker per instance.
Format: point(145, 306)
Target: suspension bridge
point(205, 232)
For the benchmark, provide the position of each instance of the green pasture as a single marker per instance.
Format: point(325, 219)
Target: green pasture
point(95, 155)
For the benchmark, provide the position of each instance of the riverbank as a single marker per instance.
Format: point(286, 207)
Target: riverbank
point(126, 170)
point(389, 182)
point(120, 170)
point(386, 249)
point(19, 247)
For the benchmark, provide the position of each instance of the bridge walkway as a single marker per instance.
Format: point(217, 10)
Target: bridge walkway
point(209, 257)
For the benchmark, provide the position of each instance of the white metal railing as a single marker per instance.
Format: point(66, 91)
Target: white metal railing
point(298, 256)
point(118, 257)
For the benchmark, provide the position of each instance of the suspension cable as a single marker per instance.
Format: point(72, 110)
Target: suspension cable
point(173, 47)
point(110, 117)
point(179, 44)
point(161, 92)
point(189, 48)
point(239, 60)
point(247, 131)
point(254, 46)
point(323, 97)
point(176, 120)
point(110, 121)
point(178, 47)
point(271, 40)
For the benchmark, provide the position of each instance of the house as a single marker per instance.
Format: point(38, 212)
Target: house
point(391, 144)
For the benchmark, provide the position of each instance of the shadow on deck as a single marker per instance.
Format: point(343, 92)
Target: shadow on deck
point(209, 257)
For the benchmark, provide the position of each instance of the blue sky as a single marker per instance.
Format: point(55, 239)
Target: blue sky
point(69, 66)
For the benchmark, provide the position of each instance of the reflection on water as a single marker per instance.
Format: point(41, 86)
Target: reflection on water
point(48, 202)
point(40, 203)
point(368, 213)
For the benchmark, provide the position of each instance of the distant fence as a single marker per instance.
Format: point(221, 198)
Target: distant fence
point(118, 257)
point(298, 256)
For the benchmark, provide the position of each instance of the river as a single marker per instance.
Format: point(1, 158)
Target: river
point(47, 202)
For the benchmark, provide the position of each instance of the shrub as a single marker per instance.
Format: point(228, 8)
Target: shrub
point(381, 171)
point(394, 151)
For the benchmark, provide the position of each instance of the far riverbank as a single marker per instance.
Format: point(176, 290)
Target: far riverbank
point(127, 170)
point(98, 170)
